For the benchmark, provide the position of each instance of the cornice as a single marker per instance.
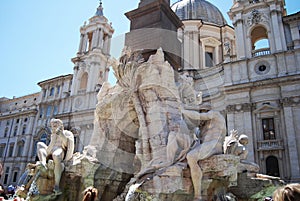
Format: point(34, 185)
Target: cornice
point(263, 83)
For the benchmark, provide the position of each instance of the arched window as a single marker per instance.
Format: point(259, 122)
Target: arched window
point(6, 132)
point(2, 149)
point(43, 137)
point(51, 91)
point(90, 37)
point(15, 130)
point(20, 148)
point(15, 176)
point(58, 90)
point(6, 174)
point(260, 41)
point(24, 130)
point(272, 166)
point(49, 111)
point(11, 150)
point(83, 81)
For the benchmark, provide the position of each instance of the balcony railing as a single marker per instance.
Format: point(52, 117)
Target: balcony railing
point(261, 52)
point(290, 47)
point(270, 145)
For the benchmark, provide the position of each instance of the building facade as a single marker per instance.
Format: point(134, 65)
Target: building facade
point(71, 98)
point(249, 71)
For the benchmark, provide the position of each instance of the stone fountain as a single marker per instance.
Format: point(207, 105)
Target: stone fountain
point(150, 130)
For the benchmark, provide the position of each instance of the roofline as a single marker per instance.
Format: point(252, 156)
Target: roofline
point(54, 78)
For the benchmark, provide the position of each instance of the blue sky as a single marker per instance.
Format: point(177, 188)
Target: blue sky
point(38, 38)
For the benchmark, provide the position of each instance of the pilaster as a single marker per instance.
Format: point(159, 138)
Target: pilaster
point(291, 141)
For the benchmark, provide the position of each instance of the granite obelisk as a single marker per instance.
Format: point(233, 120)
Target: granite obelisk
point(154, 25)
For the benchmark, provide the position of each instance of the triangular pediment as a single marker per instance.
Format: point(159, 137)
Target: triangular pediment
point(210, 41)
point(266, 108)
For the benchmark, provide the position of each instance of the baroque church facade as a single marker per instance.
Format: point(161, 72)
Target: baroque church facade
point(249, 71)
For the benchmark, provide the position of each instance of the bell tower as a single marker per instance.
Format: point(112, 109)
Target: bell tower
point(91, 62)
point(258, 25)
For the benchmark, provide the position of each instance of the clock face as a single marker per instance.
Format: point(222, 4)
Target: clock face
point(78, 102)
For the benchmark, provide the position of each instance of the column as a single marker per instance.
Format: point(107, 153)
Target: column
point(74, 86)
point(94, 39)
point(216, 60)
point(108, 44)
point(85, 41)
point(276, 31)
point(196, 50)
point(291, 141)
point(249, 133)
point(100, 39)
point(239, 33)
point(295, 34)
point(105, 43)
point(80, 44)
point(203, 55)
point(185, 50)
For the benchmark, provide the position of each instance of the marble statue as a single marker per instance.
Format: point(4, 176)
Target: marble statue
point(154, 137)
point(212, 134)
point(60, 149)
point(236, 144)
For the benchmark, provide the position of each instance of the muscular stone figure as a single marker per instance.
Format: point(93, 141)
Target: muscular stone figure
point(211, 141)
point(60, 149)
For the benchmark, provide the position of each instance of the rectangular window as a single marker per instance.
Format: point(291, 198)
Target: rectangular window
point(6, 132)
point(268, 129)
point(11, 150)
point(209, 60)
point(15, 130)
point(51, 93)
point(20, 150)
point(6, 175)
point(55, 110)
point(2, 148)
point(49, 110)
point(41, 113)
point(24, 130)
point(15, 176)
point(34, 149)
point(58, 90)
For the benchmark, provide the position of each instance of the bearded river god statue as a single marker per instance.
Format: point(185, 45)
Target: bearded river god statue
point(154, 139)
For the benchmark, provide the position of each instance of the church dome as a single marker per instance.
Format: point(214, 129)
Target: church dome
point(198, 10)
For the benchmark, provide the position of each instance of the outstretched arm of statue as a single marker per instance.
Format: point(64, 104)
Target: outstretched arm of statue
point(191, 114)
